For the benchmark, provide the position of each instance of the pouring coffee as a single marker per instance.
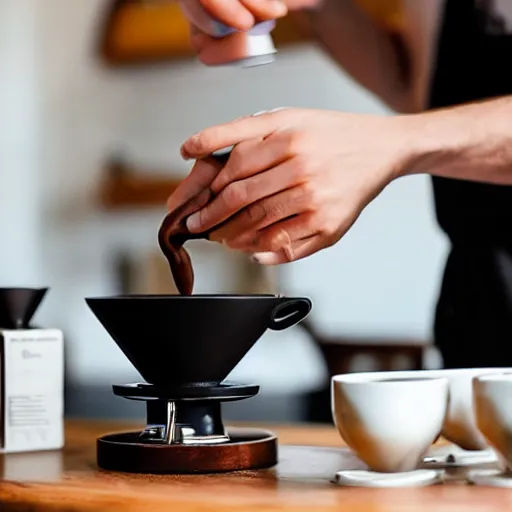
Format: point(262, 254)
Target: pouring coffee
point(173, 234)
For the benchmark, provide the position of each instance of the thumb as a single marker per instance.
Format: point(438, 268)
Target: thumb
point(212, 51)
point(200, 178)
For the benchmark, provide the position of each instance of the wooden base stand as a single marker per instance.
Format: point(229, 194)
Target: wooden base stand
point(248, 449)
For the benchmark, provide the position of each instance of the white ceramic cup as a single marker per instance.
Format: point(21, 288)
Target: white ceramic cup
point(390, 423)
point(492, 399)
point(459, 426)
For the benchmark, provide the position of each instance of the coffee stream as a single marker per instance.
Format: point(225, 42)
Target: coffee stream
point(173, 234)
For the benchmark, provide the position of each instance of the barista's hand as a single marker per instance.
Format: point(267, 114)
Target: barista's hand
point(296, 180)
point(241, 15)
point(244, 14)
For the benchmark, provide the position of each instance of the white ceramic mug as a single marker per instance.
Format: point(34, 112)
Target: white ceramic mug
point(459, 426)
point(390, 423)
point(492, 399)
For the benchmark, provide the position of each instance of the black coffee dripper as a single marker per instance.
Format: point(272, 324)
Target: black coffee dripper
point(184, 347)
point(18, 306)
point(177, 341)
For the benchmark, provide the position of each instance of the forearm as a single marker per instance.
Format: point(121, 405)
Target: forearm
point(471, 142)
point(375, 58)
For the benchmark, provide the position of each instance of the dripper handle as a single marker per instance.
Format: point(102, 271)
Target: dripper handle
point(289, 313)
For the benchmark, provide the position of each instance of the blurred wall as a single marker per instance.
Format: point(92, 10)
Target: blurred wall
point(20, 125)
point(62, 115)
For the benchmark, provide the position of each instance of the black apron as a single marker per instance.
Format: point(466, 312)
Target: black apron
point(473, 324)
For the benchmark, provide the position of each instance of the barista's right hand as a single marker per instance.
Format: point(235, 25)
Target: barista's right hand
point(244, 14)
point(241, 15)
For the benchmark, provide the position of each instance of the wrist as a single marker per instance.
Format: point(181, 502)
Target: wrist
point(429, 141)
point(468, 142)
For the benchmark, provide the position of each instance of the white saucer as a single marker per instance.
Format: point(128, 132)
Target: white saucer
point(490, 478)
point(417, 478)
point(453, 456)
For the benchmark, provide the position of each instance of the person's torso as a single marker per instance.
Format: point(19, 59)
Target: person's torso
point(474, 49)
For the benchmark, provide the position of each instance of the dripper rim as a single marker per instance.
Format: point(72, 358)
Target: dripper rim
point(190, 297)
point(24, 288)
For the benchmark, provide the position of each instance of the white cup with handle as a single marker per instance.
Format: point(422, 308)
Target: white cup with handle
point(390, 423)
point(492, 399)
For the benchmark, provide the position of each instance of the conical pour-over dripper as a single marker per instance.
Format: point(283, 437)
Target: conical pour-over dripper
point(18, 305)
point(193, 340)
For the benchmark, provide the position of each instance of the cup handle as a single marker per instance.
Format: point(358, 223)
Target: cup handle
point(289, 313)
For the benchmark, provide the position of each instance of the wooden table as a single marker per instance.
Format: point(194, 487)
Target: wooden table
point(70, 481)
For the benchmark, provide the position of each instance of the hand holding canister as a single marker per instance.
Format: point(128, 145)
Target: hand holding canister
point(249, 44)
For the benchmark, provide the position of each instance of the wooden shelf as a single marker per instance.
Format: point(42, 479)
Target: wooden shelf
point(127, 187)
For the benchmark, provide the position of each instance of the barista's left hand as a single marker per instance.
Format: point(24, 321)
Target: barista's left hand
point(296, 180)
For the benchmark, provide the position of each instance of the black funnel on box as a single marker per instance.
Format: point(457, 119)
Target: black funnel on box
point(178, 340)
point(18, 305)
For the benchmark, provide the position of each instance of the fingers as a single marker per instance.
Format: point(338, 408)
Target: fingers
point(236, 159)
point(196, 203)
point(199, 39)
point(241, 231)
point(243, 14)
point(252, 157)
point(199, 179)
point(217, 137)
point(281, 235)
point(241, 194)
point(264, 10)
point(230, 12)
point(298, 238)
point(212, 51)
point(297, 251)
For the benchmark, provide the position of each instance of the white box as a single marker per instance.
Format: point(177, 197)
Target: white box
point(31, 390)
